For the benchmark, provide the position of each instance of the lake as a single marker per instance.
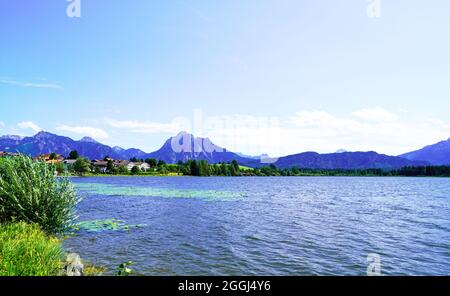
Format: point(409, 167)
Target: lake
point(264, 226)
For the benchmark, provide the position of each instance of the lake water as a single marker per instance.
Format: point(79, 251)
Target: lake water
point(265, 226)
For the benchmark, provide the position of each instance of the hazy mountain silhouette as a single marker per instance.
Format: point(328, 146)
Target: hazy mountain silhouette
point(436, 154)
point(185, 146)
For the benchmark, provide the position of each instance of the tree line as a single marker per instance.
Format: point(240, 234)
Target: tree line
point(204, 169)
point(422, 171)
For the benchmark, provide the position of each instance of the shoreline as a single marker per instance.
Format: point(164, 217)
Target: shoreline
point(202, 177)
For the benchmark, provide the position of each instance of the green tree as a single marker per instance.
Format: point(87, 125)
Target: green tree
point(81, 166)
point(135, 170)
point(110, 166)
point(224, 169)
point(194, 169)
point(163, 170)
point(73, 155)
point(216, 169)
point(53, 156)
point(203, 168)
point(60, 169)
point(235, 168)
point(186, 168)
point(97, 170)
point(152, 162)
point(123, 170)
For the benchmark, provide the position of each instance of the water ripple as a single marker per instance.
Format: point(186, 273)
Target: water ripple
point(268, 226)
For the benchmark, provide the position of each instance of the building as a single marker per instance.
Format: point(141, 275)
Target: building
point(69, 161)
point(143, 166)
point(50, 158)
point(121, 163)
point(100, 165)
point(8, 154)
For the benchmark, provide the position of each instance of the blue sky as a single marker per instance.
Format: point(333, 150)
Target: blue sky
point(255, 76)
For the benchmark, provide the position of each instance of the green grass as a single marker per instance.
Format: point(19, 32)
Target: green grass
point(30, 192)
point(25, 250)
point(245, 168)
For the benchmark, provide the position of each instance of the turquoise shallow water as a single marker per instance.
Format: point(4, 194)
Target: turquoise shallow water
point(265, 226)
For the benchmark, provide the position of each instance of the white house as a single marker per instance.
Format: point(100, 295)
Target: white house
point(143, 166)
point(69, 161)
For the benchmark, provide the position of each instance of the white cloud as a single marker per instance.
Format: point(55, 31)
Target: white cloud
point(31, 84)
point(2, 124)
point(363, 130)
point(375, 114)
point(29, 125)
point(147, 127)
point(317, 130)
point(93, 132)
point(326, 133)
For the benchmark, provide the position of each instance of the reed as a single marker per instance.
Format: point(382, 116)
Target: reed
point(30, 192)
point(26, 250)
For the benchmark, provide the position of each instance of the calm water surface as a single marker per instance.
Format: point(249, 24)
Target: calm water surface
point(267, 226)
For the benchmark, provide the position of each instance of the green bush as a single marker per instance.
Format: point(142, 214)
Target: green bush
point(135, 170)
point(25, 250)
point(31, 192)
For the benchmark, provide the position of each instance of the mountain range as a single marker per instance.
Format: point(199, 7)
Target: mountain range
point(44, 142)
point(437, 154)
point(185, 146)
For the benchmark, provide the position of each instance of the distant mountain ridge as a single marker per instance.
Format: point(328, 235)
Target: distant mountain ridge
point(44, 142)
point(185, 146)
point(436, 154)
point(346, 160)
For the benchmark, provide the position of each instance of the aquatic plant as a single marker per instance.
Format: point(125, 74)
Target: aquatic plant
point(31, 192)
point(25, 250)
point(104, 225)
point(93, 270)
point(113, 190)
point(124, 269)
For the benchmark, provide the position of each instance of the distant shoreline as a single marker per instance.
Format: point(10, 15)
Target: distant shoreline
point(206, 177)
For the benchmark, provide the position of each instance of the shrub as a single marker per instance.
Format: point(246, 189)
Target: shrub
point(30, 192)
point(135, 170)
point(25, 250)
point(82, 166)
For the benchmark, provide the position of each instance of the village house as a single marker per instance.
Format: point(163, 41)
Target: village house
point(69, 161)
point(50, 158)
point(121, 163)
point(143, 166)
point(5, 154)
point(101, 165)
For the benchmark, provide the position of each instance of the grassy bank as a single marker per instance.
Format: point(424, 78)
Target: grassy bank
point(35, 207)
point(26, 250)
